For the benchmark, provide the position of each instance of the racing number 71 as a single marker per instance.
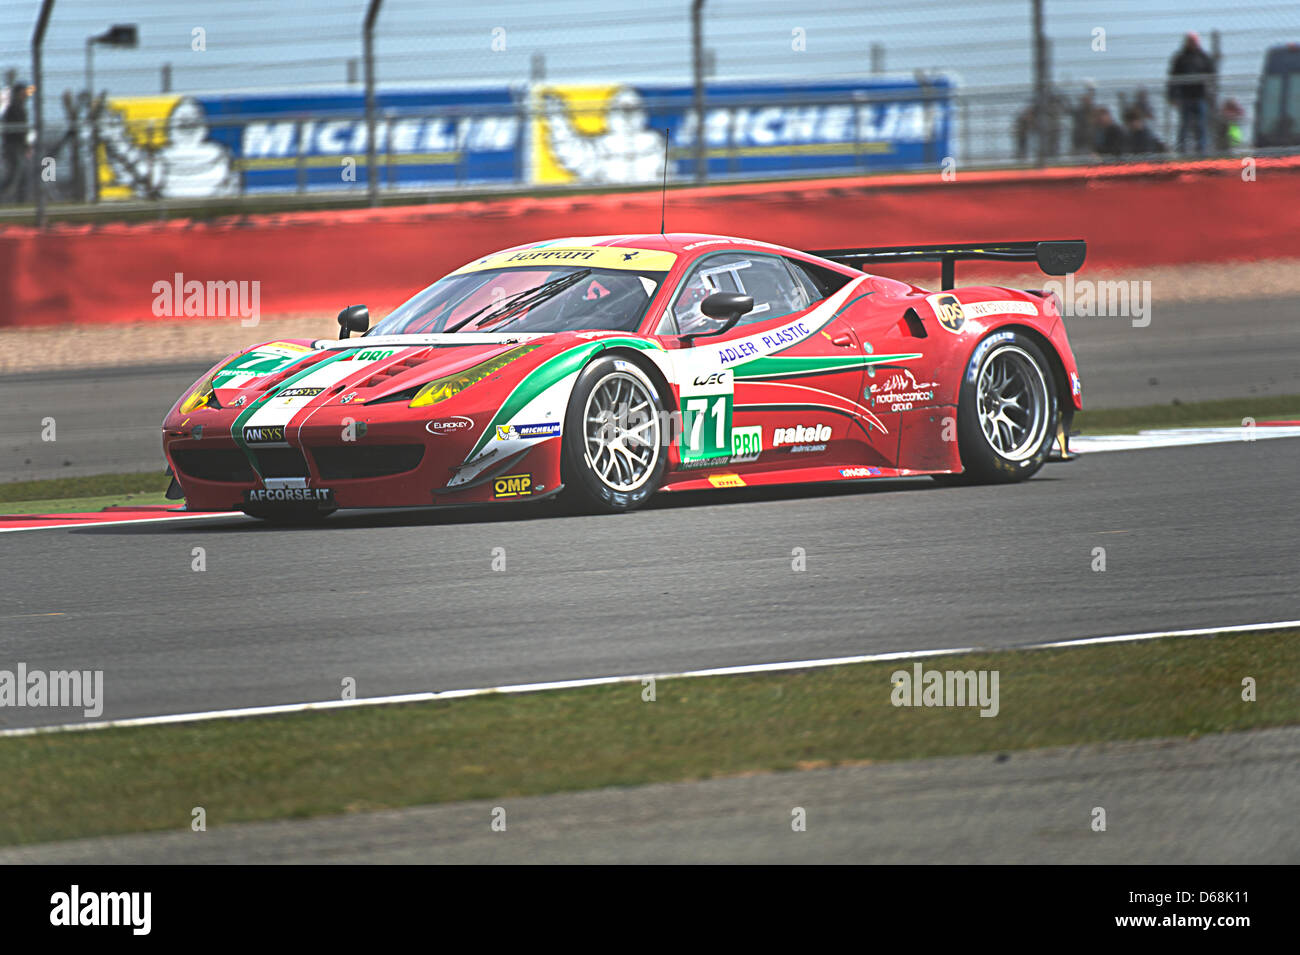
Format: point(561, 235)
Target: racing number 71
point(706, 425)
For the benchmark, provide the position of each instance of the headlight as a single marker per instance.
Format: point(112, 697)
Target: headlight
point(204, 396)
point(440, 389)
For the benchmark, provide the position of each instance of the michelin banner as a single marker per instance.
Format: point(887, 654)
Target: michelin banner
point(214, 145)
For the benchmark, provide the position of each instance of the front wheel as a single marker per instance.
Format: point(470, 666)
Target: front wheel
point(614, 453)
point(1006, 415)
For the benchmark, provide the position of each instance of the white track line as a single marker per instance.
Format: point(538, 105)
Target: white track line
point(1178, 438)
point(131, 520)
point(282, 708)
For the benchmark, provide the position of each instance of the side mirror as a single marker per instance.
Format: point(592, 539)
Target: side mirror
point(728, 307)
point(354, 318)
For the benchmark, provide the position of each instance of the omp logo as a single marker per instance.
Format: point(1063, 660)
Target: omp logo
point(513, 485)
point(449, 425)
point(949, 311)
point(801, 435)
point(262, 435)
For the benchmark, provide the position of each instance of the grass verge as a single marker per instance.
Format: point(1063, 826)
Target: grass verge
point(1225, 413)
point(60, 786)
point(84, 505)
point(94, 485)
point(72, 495)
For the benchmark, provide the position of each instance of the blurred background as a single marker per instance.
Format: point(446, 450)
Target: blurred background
point(147, 102)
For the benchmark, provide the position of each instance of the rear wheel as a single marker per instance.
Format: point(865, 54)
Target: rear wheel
point(1006, 415)
point(614, 455)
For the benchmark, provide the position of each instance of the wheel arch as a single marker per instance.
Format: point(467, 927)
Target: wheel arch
point(1065, 407)
point(647, 365)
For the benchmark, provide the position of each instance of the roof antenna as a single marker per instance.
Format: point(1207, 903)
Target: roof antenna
point(663, 195)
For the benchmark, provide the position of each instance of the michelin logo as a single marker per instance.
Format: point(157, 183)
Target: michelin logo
point(510, 432)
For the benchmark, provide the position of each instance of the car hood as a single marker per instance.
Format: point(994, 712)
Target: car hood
point(361, 369)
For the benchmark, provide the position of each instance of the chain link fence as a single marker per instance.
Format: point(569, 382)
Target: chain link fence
point(157, 136)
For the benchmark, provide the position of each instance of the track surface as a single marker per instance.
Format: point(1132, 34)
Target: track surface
point(1219, 799)
point(407, 601)
point(108, 419)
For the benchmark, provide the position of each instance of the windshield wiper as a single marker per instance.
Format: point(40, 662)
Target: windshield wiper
point(524, 299)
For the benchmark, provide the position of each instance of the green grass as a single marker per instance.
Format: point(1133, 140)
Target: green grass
point(94, 485)
point(78, 494)
point(58, 786)
point(79, 505)
point(1228, 412)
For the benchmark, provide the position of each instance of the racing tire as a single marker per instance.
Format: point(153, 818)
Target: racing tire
point(614, 453)
point(1006, 412)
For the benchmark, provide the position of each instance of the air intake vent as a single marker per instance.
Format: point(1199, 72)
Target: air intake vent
point(228, 465)
point(340, 463)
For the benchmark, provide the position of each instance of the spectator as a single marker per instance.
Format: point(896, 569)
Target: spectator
point(1228, 132)
point(1138, 137)
point(1190, 74)
point(13, 142)
point(1083, 121)
point(1110, 138)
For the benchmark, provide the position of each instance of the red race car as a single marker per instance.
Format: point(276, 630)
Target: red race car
point(613, 367)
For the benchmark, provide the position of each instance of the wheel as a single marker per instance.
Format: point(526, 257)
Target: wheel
point(614, 455)
point(1006, 414)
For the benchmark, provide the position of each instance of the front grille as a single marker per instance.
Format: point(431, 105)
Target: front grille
point(281, 462)
point(381, 460)
point(214, 464)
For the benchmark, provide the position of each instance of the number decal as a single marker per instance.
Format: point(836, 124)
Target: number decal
point(700, 443)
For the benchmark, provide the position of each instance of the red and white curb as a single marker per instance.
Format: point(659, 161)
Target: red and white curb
point(112, 515)
point(433, 695)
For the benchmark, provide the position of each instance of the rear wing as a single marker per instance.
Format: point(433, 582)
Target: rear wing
point(1054, 256)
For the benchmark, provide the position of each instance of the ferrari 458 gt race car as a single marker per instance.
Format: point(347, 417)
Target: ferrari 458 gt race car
point(609, 368)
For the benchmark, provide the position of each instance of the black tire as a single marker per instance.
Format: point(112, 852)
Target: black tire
point(1015, 443)
point(613, 482)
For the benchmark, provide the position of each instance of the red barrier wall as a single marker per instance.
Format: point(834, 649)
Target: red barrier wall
point(1132, 216)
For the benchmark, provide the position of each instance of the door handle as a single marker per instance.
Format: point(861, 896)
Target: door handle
point(844, 341)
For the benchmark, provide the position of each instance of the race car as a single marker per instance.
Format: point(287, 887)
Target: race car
point(609, 368)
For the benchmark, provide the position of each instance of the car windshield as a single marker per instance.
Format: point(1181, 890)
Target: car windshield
point(549, 299)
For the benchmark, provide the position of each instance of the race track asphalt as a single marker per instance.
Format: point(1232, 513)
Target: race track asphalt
point(408, 601)
point(108, 419)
